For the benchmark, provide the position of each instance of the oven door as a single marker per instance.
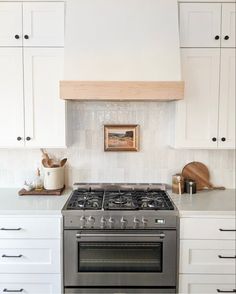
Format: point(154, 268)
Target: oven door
point(120, 258)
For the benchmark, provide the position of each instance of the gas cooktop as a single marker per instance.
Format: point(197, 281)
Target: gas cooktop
point(119, 206)
point(119, 197)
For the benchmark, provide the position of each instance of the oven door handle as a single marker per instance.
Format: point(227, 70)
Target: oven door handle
point(161, 235)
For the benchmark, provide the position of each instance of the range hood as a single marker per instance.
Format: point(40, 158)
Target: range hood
point(122, 50)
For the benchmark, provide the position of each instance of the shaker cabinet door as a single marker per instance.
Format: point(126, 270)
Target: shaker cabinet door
point(43, 24)
point(197, 115)
point(44, 110)
point(200, 24)
point(10, 24)
point(11, 98)
point(227, 99)
point(228, 25)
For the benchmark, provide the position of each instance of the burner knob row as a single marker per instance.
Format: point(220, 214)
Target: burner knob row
point(110, 223)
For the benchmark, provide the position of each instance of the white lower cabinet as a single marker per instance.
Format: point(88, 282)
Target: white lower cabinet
point(30, 254)
point(207, 256)
point(207, 262)
point(206, 284)
point(30, 284)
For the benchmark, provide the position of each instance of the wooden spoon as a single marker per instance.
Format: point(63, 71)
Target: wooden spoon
point(45, 163)
point(63, 161)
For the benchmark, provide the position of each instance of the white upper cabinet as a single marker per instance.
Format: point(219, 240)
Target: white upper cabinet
point(11, 97)
point(206, 117)
point(32, 24)
point(197, 115)
point(10, 24)
point(43, 24)
point(207, 24)
point(31, 66)
point(44, 111)
point(228, 24)
point(200, 24)
point(227, 99)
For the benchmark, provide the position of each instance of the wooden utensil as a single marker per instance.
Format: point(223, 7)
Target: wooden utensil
point(63, 161)
point(48, 162)
point(45, 162)
point(199, 172)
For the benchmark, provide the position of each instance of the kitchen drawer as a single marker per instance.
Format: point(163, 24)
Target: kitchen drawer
point(30, 256)
point(30, 227)
point(207, 256)
point(205, 284)
point(207, 228)
point(30, 283)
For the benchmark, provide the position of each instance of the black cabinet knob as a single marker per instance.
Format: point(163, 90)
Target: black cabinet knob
point(19, 138)
point(28, 138)
point(214, 139)
point(17, 37)
point(226, 37)
point(217, 37)
point(223, 139)
point(26, 37)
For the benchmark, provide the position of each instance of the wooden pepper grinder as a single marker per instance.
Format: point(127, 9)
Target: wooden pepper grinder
point(178, 184)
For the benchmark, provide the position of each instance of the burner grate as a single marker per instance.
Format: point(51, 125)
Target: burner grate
point(90, 199)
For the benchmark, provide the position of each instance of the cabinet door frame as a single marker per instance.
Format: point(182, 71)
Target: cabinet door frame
point(181, 134)
point(44, 119)
point(12, 102)
point(227, 99)
point(50, 32)
point(189, 283)
point(199, 36)
point(202, 256)
point(11, 25)
point(228, 25)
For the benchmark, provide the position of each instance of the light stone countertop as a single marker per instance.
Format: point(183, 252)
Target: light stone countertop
point(13, 204)
point(206, 203)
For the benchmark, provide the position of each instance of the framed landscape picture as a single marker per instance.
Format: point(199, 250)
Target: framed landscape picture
point(121, 137)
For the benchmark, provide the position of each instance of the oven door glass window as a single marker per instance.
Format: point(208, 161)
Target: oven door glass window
point(120, 257)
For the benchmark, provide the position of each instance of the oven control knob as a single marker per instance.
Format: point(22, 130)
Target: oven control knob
point(111, 222)
point(136, 223)
point(91, 221)
point(103, 222)
point(82, 222)
point(123, 222)
point(144, 221)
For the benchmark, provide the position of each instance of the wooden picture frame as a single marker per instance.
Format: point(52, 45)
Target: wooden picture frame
point(121, 137)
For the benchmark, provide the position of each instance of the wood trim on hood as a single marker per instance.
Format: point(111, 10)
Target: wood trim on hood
point(122, 90)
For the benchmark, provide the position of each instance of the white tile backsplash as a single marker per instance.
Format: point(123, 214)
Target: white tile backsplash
point(87, 162)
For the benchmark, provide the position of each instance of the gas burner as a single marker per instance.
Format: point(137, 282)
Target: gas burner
point(120, 200)
point(84, 199)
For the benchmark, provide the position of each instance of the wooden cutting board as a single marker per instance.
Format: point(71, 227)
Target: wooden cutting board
point(199, 173)
point(44, 192)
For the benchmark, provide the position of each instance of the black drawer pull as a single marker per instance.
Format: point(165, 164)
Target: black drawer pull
point(12, 256)
point(224, 291)
point(227, 230)
point(221, 256)
point(5, 229)
point(6, 290)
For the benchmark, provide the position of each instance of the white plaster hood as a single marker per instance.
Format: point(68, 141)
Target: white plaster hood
point(122, 49)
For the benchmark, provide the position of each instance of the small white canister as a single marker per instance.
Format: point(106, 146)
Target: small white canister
point(54, 178)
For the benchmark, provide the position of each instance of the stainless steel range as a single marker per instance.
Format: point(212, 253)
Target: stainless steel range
point(120, 239)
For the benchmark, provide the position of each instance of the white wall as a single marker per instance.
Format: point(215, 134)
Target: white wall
point(117, 40)
point(156, 162)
